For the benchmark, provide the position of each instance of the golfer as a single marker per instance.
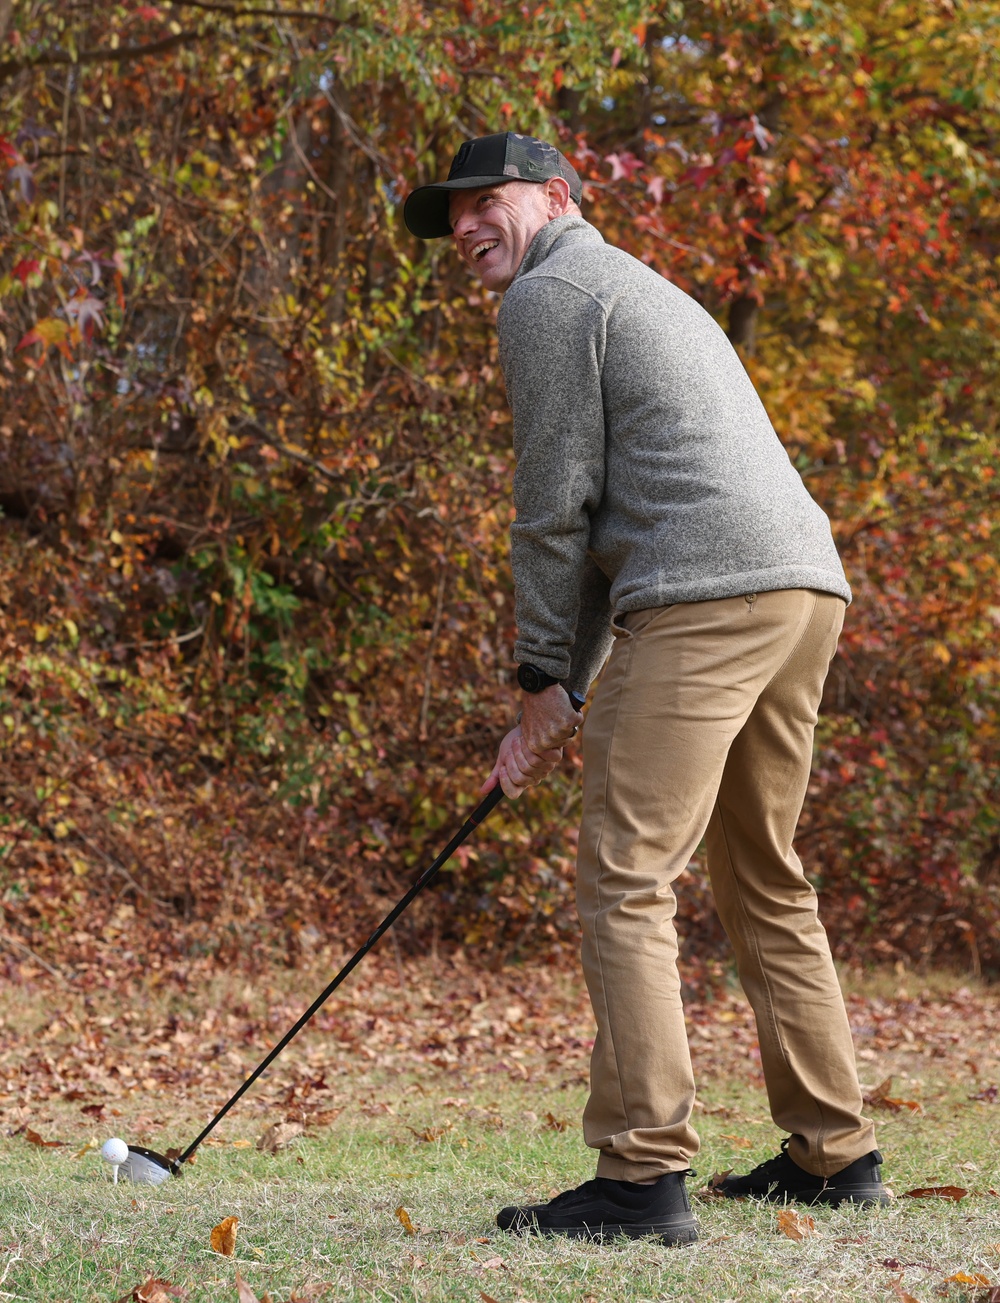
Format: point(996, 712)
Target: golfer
point(659, 518)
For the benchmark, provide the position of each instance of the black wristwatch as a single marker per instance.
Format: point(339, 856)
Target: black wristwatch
point(531, 679)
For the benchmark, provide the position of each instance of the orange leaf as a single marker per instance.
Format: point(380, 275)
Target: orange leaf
point(224, 1237)
point(154, 1290)
point(963, 1278)
point(796, 1225)
point(33, 1138)
point(404, 1219)
point(553, 1123)
point(953, 1192)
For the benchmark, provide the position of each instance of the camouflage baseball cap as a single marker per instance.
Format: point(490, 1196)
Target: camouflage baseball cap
point(488, 160)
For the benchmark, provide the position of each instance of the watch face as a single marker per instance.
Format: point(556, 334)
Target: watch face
point(528, 678)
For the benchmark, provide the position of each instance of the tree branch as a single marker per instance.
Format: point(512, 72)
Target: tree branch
point(104, 54)
point(233, 12)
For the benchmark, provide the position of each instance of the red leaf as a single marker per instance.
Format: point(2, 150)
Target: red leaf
point(25, 268)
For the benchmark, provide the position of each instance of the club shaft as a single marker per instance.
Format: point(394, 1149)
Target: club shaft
point(474, 820)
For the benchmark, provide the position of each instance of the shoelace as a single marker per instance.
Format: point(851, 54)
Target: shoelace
point(771, 1167)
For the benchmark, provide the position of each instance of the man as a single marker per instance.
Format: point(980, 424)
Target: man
point(656, 509)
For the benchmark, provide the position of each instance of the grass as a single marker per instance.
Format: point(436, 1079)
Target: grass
point(450, 1143)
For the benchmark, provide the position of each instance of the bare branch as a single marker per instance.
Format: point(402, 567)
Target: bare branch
point(233, 12)
point(104, 54)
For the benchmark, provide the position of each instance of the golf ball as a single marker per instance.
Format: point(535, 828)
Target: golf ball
point(114, 1151)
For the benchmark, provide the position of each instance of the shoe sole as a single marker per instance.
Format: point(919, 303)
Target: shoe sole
point(670, 1234)
point(864, 1196)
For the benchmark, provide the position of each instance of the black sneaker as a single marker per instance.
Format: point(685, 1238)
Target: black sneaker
point(604, 1209)
point(781, 1179)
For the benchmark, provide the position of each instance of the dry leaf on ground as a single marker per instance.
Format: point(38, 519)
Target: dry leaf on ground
point(404, 1220)
point(223, 1237)
point(154, 1290)
point(903, 1295)
point(33, 1138)
point(552, 1123)
point(953, 1192)
point(278, 1135)
point(430, 1134)
point(246, 1294)
point(880, 1098)
point(796, 1225)
point(964, 1278)
point(741, 1142)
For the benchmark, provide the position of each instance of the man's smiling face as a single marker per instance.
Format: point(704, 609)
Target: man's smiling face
point(492, 227)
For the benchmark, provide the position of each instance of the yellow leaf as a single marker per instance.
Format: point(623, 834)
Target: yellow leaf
point(42, 631)
point(404, 1218)
point(223, 1238)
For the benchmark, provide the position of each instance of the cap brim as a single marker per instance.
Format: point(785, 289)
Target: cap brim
point(425, 211)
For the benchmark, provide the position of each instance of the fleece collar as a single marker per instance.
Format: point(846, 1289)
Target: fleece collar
point(560, 232)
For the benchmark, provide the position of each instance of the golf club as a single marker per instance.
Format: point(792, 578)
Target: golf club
point(145, 1166)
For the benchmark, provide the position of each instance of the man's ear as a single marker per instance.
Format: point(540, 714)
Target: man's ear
point(557, 197)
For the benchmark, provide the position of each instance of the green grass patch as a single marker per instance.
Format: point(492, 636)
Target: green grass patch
point(318, 1220)
point(450, 1092)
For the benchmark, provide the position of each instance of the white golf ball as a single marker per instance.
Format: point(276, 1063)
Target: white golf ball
point(114, 1151)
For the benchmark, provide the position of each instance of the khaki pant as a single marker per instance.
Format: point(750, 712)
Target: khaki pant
point(702, 724)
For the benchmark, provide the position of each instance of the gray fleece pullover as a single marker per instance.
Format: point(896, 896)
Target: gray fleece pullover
point(648, 472)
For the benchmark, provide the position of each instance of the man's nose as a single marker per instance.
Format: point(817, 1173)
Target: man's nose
point(464, 224)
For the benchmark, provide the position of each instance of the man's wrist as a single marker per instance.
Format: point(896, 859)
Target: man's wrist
point(531, 679)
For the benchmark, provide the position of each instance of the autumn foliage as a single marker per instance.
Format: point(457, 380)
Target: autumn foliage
point(255, 454)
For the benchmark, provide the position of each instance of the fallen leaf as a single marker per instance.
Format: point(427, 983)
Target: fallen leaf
point(430, 1134)
point(902, 1294)
point(86, 1149)
point(223, 1237)
point(33, 1138)
point(487, 1298)
point(246, 1294)
point(242, 1144)
point(880, 1098)
point(552, 1123)
point(716, 1179)
point(741, 1142)
point(987, 1096)
point(154, 1290)
point(796, 1225)
point(404, 1220)
point(963, 1278)
point(953, 1192)
point(278, 1135)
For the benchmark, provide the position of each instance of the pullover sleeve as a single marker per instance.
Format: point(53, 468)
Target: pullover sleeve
point(552, 341)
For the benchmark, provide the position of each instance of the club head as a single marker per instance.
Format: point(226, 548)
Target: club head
point(146, 1167)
